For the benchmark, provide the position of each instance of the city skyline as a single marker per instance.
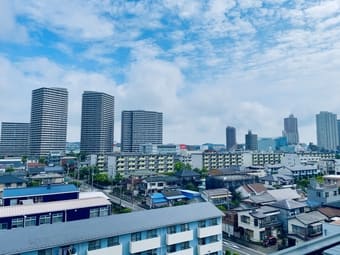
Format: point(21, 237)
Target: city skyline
point(205, 65)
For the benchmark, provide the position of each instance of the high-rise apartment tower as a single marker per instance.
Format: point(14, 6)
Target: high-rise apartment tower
point(291, 129)
point(97, 123)
point(230, 138)
point(48, 121)
point(140, 127)
point(14, 139)
point(327, 130)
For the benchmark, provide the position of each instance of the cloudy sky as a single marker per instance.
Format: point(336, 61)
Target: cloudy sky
point(204, 64)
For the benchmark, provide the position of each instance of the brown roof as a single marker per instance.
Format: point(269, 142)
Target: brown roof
point(329, 211)
point(255, 187)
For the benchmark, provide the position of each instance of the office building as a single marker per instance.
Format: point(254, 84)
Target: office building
point(189, 229)
point(48, 121)
point(291, 129)
point(230, 138)
point(97, 123)
point(14, 139)
point(140, 127)
point(327, 131)
point(251, 141)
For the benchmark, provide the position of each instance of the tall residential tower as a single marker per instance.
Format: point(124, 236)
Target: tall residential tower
point(14, 139)
point(48, 120)
point(327, 130)
point(97, 123)
point(291, 129)
point(251, 141)
point(140, 127)
point(230, 138)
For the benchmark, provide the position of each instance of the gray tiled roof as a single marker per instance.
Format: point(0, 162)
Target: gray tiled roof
point(311, 217)
point(288, 204)
point(46, 236)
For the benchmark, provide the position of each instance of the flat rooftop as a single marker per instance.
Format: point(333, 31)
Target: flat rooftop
point(41, 190)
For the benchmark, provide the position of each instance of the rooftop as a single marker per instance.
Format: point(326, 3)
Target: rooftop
point(18, 210)
point(4, 179)
point(46, 236)
point(41, 190)
point(288, 204)
point(310, 217)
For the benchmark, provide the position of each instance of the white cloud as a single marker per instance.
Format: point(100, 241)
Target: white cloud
point(10, 29)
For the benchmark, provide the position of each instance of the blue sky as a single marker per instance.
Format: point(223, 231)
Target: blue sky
point(204, 64)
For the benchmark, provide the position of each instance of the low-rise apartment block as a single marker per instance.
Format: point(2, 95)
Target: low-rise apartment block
point(180, 230)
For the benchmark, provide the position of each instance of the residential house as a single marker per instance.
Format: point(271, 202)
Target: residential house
point(288, 210)
point(11, 181)
point(251, 189)
point(157, 184)
point(217, 196)
point(259, 224)
point(306, 226)
point(321, 194)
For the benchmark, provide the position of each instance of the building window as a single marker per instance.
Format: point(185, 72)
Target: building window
point(202, 224)
point(184, 246)
point(245, 219)
point(104, 211)
point(318, 194)
point(327, 194)
point(151, 233)
point(17, 223)
point(136, 236)
point(44, 219)
point(45, 252)
point(184, 227)
point(3, 226)
point(94, 245)
point(256, 222)
point(94, 212)
point(335, 193)
point(213, 221)
point(57, 217)
point(30, 221)
point(171, 248)
point(112, 241)
point(171, 229)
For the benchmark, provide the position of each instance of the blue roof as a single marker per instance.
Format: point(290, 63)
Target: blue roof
point(41, 190)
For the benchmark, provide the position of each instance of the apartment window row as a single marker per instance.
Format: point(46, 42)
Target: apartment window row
point(97, 244)
point(207, 240)
point(178, 247)
point(98, 212)
point(149, 252)
point(206, 223)
point(181, 228)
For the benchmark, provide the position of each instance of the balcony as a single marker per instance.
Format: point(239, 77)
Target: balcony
point(272, 223)
point(179, 237)
point(189, 251)
point(117, 250)
point(209, 248)
point(209, 231)
point(144, 245)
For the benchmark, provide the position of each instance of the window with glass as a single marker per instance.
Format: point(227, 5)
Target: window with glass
point(184, 245)
point(113, 241)
point(17, 223)
point(30, 221)
point(171, 229)
point(136, 236)
point(57, 217)
point(94, 212)
point(94, 245)
point(104, 211)
point(202, 224)
point(213, 221)
point(151, 233)
point(202, 241)
point(184, 227)
point(245, 219)
point(171, 248)
point(45, 252)
point(44, 219)
point(3, 225)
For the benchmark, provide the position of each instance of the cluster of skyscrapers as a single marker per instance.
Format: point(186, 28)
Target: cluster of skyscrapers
point(327, 133)
point(47, 130)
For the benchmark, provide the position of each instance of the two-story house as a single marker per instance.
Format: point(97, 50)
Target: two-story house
point(259, 224)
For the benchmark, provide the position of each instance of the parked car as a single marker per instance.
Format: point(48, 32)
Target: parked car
point(271, 240)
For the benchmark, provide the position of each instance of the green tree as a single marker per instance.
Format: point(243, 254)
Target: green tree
point(9, 169)
point(118, 178)
point(227, 252)
point(42, 160)
point(235, 198)
point(101, 179)
point(179, 166)
point(24, 159)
